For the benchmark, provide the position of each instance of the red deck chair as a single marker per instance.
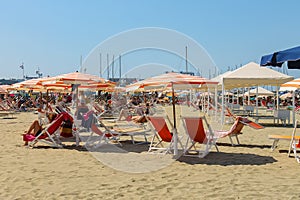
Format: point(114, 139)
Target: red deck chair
point(234, 131)
point(244, 120)
point(75, 130)
point(162, 135)
point(102, 137)
point(48, 134)
point(197, 134)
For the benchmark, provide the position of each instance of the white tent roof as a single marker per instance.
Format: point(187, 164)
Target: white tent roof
point(252, 74)
point(261, 92)
point(219, 78)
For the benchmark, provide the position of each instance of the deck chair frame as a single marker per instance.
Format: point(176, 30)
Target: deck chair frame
point(104, 136)
point(51, 136)
point(157, 144)
point(234, 131)
point(294, 143)
point(209, 139)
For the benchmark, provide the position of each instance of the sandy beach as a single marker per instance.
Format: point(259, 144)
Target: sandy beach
point(248, 171)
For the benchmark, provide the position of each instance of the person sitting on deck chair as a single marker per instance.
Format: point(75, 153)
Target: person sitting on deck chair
point(37, 125)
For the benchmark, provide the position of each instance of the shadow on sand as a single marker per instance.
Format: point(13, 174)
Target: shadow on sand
point(228, 159)
point(245, 145)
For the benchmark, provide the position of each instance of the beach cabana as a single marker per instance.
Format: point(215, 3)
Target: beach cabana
point(259, 91)
point(251, 75)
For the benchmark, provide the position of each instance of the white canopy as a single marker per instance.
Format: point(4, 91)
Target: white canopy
point(220, 78)
point(252, 74)
point(261, 92)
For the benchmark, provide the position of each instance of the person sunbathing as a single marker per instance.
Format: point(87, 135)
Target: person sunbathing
point(139, 118)
point(37, 126)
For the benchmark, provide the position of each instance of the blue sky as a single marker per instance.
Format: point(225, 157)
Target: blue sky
point(52, 35)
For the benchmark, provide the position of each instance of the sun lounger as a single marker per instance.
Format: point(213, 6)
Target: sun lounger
point(124, 129)
point(103, 137)
point(276, 138)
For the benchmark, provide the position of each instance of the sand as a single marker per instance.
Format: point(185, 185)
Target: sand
point(248, 171)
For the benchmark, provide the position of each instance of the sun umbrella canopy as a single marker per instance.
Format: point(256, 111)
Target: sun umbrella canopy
point(3, 89)
point(291, 85)
point(79, 78)
point(292, 56)
point(179, 81)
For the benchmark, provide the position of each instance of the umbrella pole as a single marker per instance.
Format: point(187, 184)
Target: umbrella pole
point(216, 101)
point(294, 107)
point(223, 108)
point(47, 99)
point(174, 125)
point(256, 104)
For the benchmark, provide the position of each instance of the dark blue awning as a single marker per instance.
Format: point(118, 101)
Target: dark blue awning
point(292, 56)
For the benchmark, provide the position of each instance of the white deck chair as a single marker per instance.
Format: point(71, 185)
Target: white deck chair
point(294, 144)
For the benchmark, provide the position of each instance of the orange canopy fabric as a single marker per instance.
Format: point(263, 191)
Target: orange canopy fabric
point(3, 89)
point(80, 78)
point(179, 81)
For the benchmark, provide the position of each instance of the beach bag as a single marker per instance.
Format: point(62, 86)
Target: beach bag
point(28, 137)
point(66, 129)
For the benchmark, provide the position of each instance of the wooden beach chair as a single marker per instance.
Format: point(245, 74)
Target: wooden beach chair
point(162, 140)
point(194, 127)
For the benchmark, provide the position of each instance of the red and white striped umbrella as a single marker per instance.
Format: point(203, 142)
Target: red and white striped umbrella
point(179, 81)
point(291, 85)
point(3, 89)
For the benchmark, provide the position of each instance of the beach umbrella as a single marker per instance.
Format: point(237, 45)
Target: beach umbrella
point(291, 85)
point(3, 89)
point(83, 81)
point(292, 56)
point(80, 79)
point(174, 81)
point(30, 84)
